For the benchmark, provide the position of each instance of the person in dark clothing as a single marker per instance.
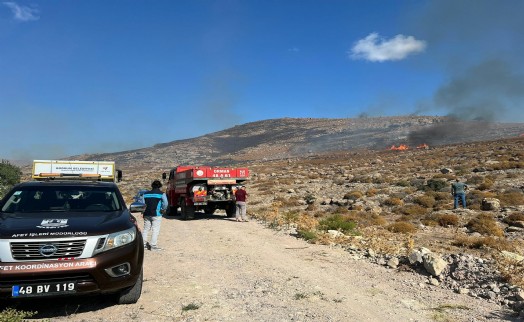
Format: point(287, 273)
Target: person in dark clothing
point(240, 197)
point(156, 203)
point(458, 190)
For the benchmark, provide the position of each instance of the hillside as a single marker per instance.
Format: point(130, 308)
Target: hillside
point(291, 137)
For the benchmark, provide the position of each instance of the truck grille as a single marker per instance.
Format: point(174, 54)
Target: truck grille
point(47, 250)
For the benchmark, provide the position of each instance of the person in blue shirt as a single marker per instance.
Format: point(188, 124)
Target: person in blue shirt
point(156, 204)
point(458, 190)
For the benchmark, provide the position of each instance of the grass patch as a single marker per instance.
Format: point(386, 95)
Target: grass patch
point(11, 315)
point(191, 307)
point(308, 235)
point(300, 296)
point(338, 222)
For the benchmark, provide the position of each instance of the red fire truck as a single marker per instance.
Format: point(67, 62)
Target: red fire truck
point(194, 188)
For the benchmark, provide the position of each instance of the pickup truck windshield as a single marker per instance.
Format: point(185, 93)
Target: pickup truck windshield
point(62, 198)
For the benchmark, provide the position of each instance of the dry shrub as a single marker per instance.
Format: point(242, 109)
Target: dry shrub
point(306, 223)
point(362, 179)
point(413, 211)
point(353, 195)
point(485, 224)
point(436, 184)
point(366, 219)
point(511, 270)
point(505, 165)
point(446, 220)
point(285, 181)
point(371, 192)
point(476, 179)
point(474, 198)
point(511, 198)
point(393, 201)
point(473, 242)
point(439, 196)
point(511, 219)
point(288, 202)
point(402, 227)
point(383, 241)
point(312, 207)
point(485, 185)
point(425, 201)
point(403, 183)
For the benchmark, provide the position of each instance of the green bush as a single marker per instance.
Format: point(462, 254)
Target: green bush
point(12, 315)
point(338, 222)
point(307, 235)
point(9, 176)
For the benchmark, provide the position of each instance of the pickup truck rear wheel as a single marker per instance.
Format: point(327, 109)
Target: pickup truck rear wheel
point(131, 295)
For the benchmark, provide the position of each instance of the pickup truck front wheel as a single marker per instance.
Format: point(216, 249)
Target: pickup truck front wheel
point(131, 295)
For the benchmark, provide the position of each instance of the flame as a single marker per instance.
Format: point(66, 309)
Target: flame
point(423, 146)
point(401, 147)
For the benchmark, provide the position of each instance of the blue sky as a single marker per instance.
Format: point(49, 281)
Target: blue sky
point(91, 76)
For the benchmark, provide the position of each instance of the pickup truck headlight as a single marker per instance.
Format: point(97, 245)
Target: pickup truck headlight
point(118, 239)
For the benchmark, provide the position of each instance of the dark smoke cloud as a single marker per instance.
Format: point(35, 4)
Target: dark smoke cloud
point(488, 91)
point(478, 45)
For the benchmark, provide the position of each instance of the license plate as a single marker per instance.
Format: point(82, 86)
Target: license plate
point(30, 290)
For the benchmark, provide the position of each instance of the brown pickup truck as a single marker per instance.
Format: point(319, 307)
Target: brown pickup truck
point(69, 237)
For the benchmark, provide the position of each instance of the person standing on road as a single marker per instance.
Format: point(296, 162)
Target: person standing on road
point(458, 190)
point(240, 197)
point(156, 204)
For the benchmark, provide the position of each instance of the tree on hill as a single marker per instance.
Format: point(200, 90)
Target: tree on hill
point(9, 176)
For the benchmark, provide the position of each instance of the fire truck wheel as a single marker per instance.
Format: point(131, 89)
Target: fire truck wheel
point(183, 210)
point(209, 210)
point(188, 212)
point(231, 210)
point(171, 211)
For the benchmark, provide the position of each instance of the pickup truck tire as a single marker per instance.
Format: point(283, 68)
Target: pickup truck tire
point(131, 295)
point(231, 210)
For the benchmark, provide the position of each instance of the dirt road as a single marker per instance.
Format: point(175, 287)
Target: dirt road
point(216, 269)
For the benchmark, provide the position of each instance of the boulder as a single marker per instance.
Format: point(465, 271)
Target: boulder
point(434, 264)
point(490, 204)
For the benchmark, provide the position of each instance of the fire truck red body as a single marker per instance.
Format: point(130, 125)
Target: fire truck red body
point(194, 188)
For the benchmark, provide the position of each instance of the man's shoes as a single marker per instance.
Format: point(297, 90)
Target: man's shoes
point(154, 248)
point(147, 246)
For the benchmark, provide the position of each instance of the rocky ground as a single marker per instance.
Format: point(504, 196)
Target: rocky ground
point(216, 269)
point(443, 265)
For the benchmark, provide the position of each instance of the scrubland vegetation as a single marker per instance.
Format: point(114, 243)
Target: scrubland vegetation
point(393, 201)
